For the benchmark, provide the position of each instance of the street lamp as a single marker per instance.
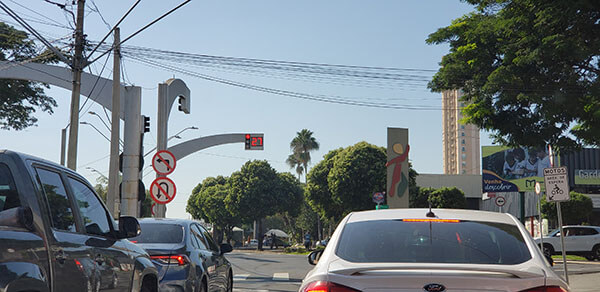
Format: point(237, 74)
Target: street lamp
point(99, 117)
point(96, 171)
point(92, 125)
point(174, 136)
point(86, 123)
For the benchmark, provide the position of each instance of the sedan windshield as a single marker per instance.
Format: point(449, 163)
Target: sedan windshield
point(432, 242)
point(159, 233)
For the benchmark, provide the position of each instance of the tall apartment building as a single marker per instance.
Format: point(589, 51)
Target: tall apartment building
point(461, 142)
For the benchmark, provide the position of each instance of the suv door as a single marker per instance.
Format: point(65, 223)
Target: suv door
point(111, 255)
point(73, 268)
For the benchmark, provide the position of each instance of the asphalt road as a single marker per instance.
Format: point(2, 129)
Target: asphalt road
point(276, 272)
point(267, 271)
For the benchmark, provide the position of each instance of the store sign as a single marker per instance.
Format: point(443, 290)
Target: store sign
point(587, 176)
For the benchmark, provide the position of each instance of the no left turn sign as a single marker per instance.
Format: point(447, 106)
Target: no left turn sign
point(163, 190)
point(163, 162)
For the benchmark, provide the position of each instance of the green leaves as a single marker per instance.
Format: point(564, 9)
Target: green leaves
point(19, 99)
point(529, 70)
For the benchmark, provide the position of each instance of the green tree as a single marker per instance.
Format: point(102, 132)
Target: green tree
point(208, 202)
point(317, 193)
point(289, 196)
point(528, 70)
point(19, 99)
point(358, 172)
point(253, 193)
point(575, 211)
point(449, 198)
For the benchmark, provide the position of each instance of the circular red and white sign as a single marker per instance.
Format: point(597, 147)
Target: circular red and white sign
point(500, 201)
point(538, 188)
point(162, 190)
point(164, 162)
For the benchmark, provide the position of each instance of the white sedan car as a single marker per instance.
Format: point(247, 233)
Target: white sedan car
point(441, 250)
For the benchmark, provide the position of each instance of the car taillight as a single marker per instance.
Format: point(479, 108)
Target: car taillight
point(324, 286)
point(179, 260)
point(546, 289)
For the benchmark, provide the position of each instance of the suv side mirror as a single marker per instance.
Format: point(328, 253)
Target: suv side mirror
point(128, 227)
point(225, 248)
point(313, 257)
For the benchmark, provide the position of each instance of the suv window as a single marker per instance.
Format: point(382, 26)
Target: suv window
point(92, 212)
point(58, 202)
point(432, 242)
point(197, 234)
point(588, 231)
point(9, 198)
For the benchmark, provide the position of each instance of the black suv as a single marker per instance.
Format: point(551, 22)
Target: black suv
point(57, 235)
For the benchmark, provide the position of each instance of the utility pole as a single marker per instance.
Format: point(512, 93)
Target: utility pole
point(77, 66)
point(113, 173)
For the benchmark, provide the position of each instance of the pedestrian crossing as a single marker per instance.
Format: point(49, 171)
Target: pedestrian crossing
point(276, 277)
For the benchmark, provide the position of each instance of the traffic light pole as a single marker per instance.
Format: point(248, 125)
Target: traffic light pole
point(167, 93)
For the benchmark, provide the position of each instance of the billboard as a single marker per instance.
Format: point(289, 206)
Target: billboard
point(507, 169)
point(587, 177)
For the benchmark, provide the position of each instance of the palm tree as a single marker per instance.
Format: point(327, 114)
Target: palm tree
point(301, 147)
point(294, 162)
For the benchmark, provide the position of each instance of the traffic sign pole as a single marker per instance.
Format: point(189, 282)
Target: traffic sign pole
point(562, 241)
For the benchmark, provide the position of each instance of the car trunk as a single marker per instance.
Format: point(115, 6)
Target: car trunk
point(454, 277)
point(163, 249)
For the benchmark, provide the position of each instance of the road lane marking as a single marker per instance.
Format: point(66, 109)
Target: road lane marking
point(240, 277)
point(281, 277)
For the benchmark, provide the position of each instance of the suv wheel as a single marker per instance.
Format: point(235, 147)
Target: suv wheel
point(595, 252)
point(548, 250)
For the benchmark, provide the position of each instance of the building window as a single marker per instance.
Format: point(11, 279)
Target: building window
point(463, 149)
point(464, 156)
point(463, 141)
point(462, 134)
point(462, 127)
point(464, 163)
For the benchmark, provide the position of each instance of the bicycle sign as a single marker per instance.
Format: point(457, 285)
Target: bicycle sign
point(556, 183)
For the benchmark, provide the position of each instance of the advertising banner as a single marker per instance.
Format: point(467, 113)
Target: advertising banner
point(587, 177)
point(507, 169)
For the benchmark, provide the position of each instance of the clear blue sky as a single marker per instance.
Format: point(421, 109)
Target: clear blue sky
point(363, 33)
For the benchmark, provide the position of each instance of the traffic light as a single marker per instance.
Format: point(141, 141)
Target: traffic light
point(146, 124)
point(254, 141)
point(184, 104)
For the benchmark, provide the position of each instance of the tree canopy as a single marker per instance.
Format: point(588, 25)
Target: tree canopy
point(451, 198)
point(19, 99)
point(528, 70)
point(576, 211)
point(345, 180)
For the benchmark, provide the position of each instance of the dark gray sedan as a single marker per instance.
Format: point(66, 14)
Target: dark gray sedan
point(186, 256)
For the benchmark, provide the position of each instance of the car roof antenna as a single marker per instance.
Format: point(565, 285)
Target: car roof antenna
point(430, 213)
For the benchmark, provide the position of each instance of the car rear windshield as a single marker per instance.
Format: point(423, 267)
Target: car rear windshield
point(159, 233)
point(432, 242)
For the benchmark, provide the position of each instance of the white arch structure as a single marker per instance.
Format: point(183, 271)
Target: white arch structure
point(98, 89)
